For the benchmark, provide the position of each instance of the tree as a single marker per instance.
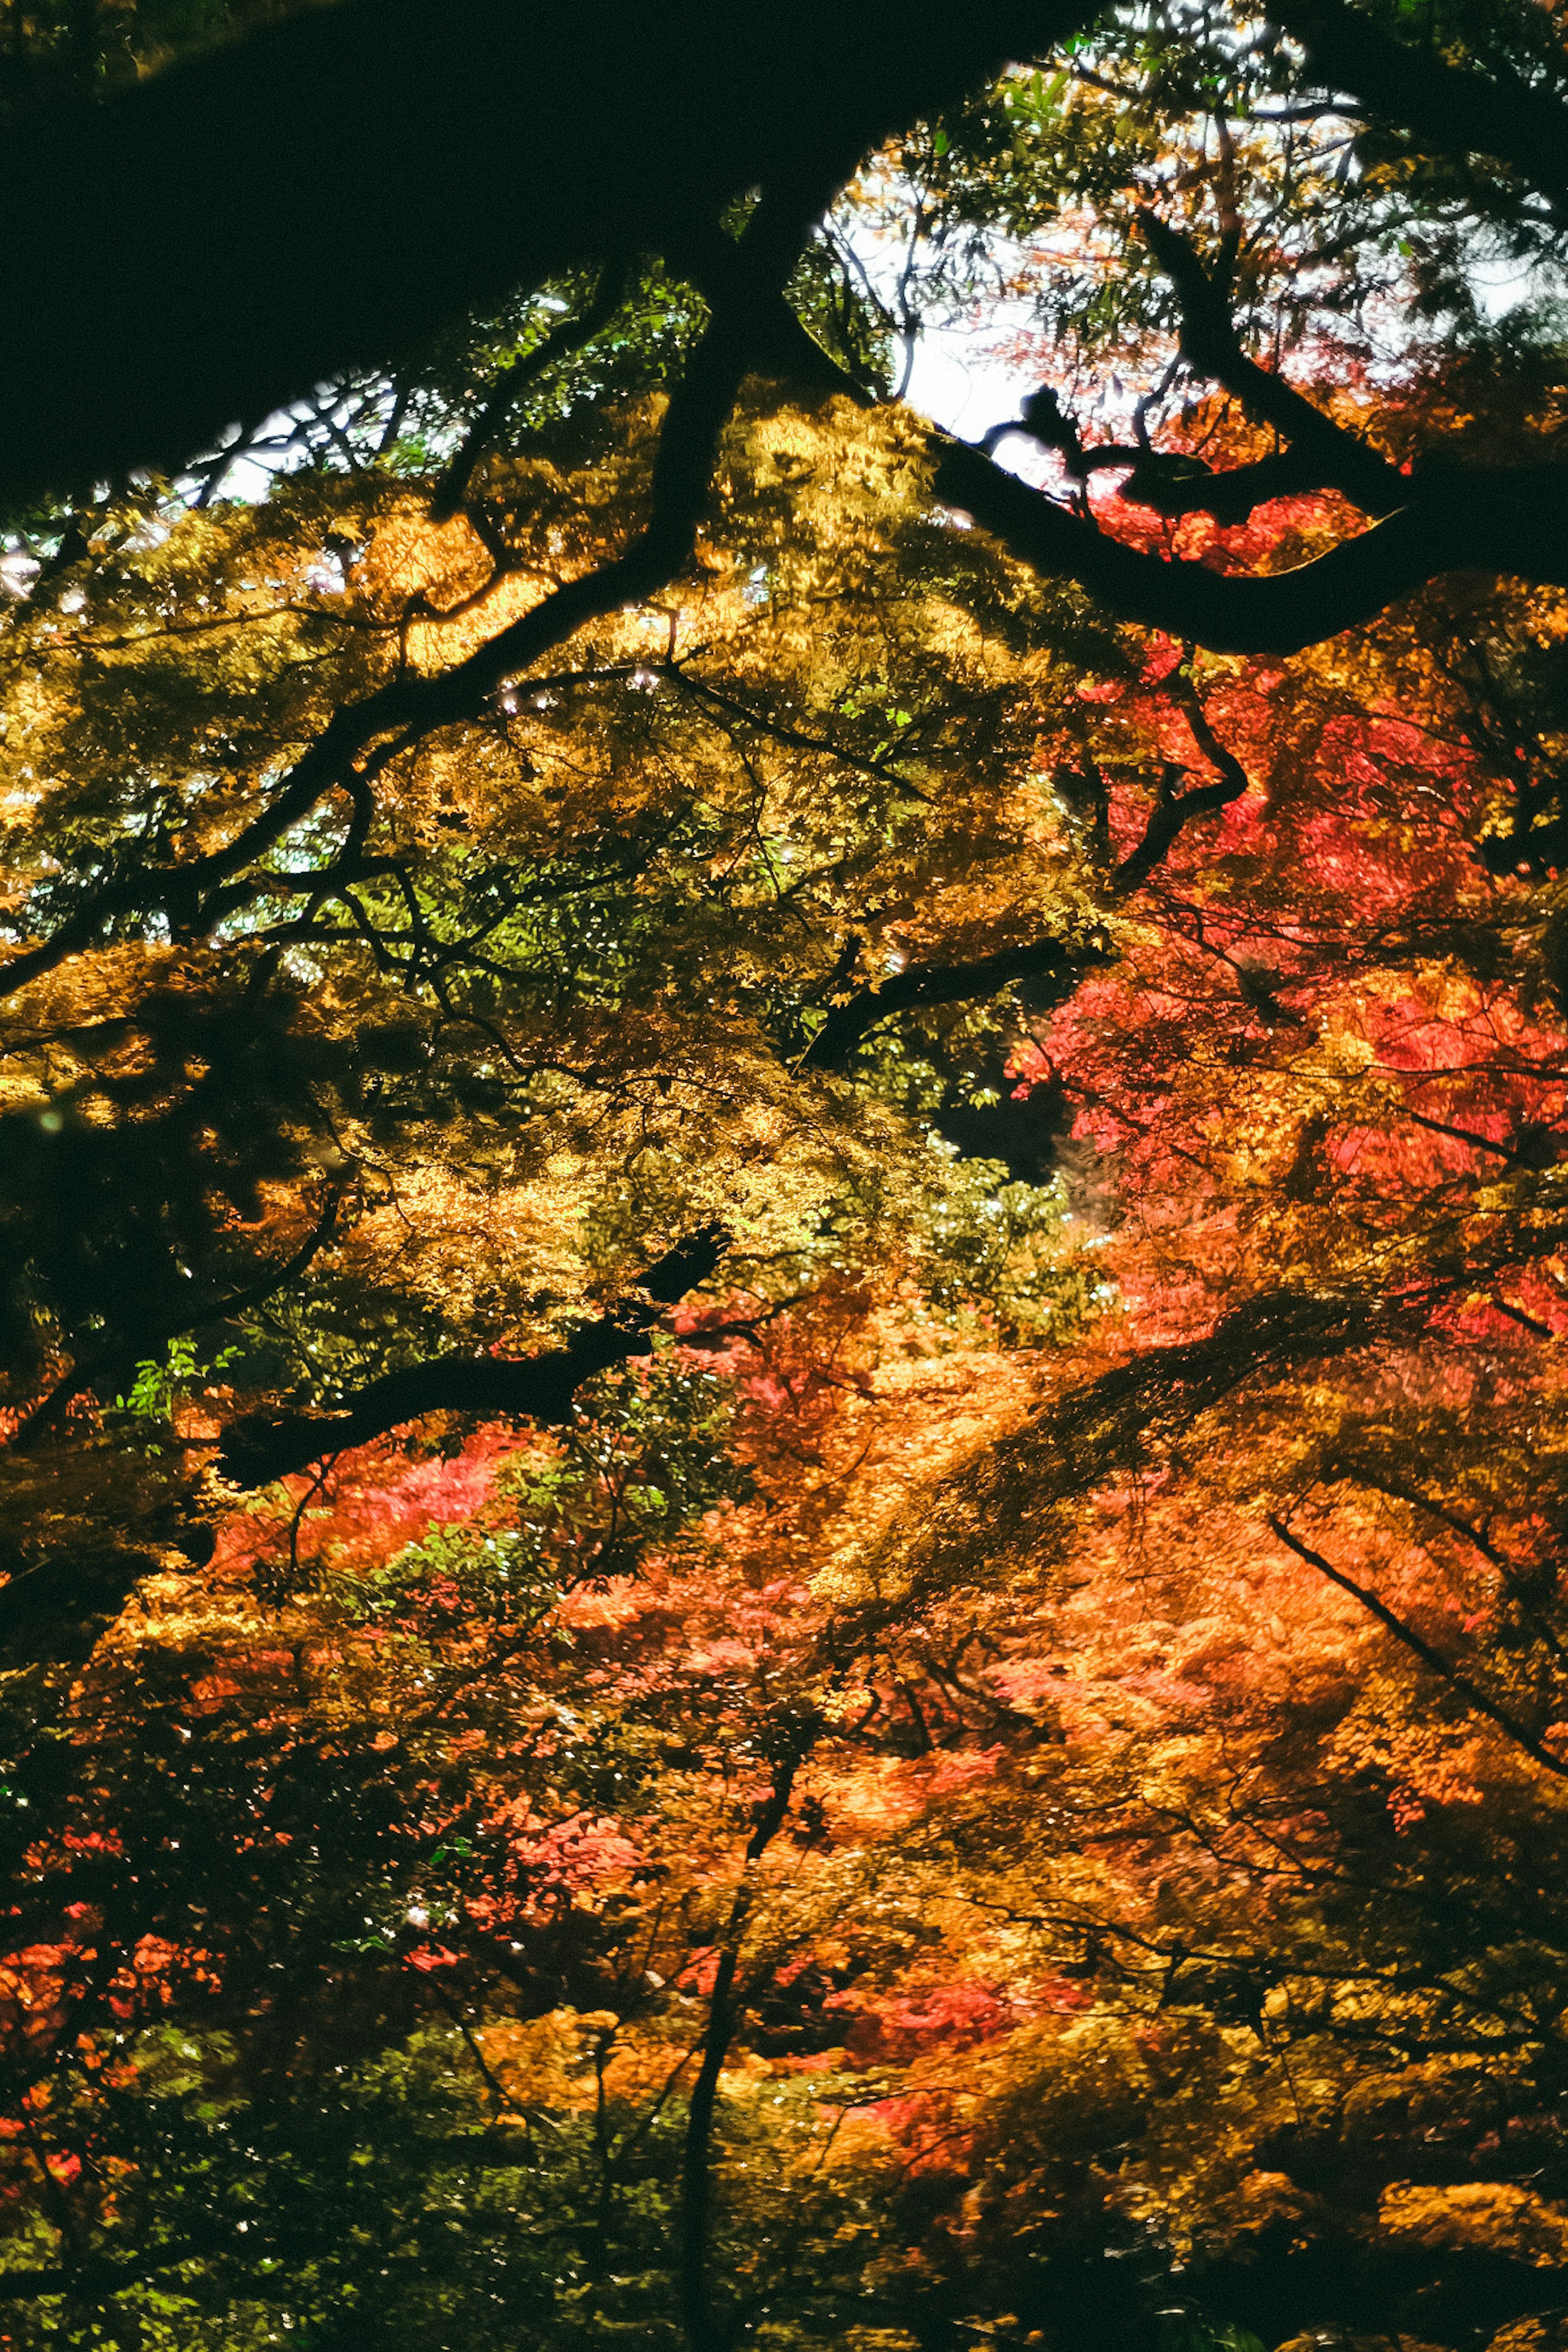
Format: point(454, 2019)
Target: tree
point(782, 1511)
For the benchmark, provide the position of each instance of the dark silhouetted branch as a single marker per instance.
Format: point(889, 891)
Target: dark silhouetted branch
point(1173, 482)
point(328, 191)
point(1177, 484)
point(220, 1310)
point(921, 985)
point(398, 714)
point(1511, 1576)
point(702, 2333)
point(1512, 520)
point(1507, 1722)
point(570, 335)
point(1173, 810)
point(780, 731)
point(1509, 520)
point(257, 1449)
point(1333, 458)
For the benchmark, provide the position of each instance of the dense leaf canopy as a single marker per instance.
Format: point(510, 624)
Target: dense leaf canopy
point(783, 1226)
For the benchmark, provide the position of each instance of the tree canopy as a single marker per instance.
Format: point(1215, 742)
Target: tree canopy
point(785, 1471)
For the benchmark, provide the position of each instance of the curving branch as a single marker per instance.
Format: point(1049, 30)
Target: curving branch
point(1174, 482)
point(1173, 810)
point(1325, 453)
point(257, 1448)
point(920, 985)
point(1321, 454)
point(778, 730)
point(568, 336)
point(1507, 519)
point(1440, 519)
point(1175, 485)
point(703, 2330)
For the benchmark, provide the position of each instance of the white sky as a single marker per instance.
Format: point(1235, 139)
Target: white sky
point(958, 382)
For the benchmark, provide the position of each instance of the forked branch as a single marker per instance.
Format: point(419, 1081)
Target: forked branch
point(1325, 456)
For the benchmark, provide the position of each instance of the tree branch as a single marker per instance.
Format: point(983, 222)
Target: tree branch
point(1497, 519)
point(1455, 107)
point(1174, 810)
point(1173, 482)
point(1506, 520)
point(568, 336)
point(1334, 459)
point(406, 709)
point(697, 2164)
point(1508, 1724)
point(944, 984)
point(1176, 486)
point(457, 149)
point(239, 1302)
point(257, 1449)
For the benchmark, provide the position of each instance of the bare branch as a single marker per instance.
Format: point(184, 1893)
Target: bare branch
point(257, 1449)
point(1507, 1723)
point(1504, 519)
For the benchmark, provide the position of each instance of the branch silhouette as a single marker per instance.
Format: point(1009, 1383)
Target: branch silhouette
point(258, 1448)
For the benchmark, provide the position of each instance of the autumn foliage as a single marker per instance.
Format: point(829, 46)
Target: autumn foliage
point(785, 1477)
